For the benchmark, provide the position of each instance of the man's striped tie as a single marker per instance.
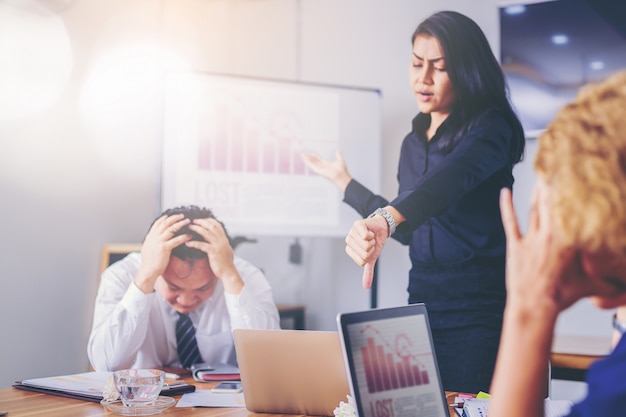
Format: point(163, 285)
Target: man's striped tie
point(186, 340)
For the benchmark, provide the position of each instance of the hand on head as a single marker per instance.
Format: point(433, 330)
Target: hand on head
point(157, 249)
point(215, 245)
point(541, 271)
point(218, 250)
point(364, 243)
point(608, 274)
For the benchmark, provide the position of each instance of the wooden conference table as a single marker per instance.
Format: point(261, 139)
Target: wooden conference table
point(20, 403)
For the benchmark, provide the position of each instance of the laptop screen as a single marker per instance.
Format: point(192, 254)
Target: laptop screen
point(391, 362)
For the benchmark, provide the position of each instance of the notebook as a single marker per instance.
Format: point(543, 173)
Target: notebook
point(291, 371)
point(391, 362)
point(204, 372)
point(87, 386)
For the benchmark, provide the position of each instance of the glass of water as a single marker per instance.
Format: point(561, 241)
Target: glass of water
point(139, 387)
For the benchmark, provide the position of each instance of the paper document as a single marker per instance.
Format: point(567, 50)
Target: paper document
point(88, 383)
point(557, 408)
point(206, 398)
point(479, 407)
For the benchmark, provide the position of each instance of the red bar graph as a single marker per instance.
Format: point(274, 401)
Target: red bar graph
point(386, 370)
point(230, 142)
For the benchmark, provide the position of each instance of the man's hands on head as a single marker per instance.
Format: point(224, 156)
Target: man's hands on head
point(157, 249)
point(219, 252)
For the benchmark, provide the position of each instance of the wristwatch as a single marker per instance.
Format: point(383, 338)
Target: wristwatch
point(618, 324)
point(390, 221)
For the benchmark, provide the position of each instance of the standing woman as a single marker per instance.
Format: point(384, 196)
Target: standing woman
point(458, 155)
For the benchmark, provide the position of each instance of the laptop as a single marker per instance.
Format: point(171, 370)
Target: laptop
point(291, 371)
point(391, 362)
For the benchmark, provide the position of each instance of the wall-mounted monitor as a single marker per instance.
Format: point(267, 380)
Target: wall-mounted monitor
point(549, 49)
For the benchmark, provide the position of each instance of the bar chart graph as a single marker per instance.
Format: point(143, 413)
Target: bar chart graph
point(235, 144)
point(389, 367)
point(232, 138)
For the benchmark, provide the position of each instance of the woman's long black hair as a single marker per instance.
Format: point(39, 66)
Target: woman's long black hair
point(476, 76)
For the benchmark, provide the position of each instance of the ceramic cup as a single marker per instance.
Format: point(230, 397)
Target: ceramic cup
point(139, 387)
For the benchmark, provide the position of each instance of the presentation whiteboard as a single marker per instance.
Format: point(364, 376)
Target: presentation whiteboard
point(233, 144)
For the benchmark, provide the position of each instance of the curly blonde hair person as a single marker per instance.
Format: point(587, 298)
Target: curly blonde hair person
point(582, 156)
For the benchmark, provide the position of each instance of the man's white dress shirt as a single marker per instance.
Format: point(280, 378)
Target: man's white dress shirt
point(136, 330)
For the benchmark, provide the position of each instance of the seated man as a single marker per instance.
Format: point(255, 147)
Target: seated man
point(186, 271)
point(575, 247)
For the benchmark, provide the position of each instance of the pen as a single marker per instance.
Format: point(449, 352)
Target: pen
point(169, 375)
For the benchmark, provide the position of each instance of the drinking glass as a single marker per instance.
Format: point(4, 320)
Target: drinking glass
point(139, 387)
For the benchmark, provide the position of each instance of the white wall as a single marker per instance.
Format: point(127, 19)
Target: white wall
point(80, 130)
point(582, 318)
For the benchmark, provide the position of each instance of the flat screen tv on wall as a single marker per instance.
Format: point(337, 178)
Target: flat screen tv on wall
point(549, 49)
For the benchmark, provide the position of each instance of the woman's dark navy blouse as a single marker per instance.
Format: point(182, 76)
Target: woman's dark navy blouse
point(449, 197)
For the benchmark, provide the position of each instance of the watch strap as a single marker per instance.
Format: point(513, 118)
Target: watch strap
point(388, 217)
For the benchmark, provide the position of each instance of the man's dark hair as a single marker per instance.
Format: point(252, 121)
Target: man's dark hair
point(190, 212)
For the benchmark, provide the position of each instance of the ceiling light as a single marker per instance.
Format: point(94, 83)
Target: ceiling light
point(596, 65)
point(560, 39)
point(515, 9)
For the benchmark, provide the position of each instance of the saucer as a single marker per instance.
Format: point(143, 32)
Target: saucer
point(157, 407)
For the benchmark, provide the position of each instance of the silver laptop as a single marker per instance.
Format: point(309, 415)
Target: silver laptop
point(291, 371)
point(391, 362)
